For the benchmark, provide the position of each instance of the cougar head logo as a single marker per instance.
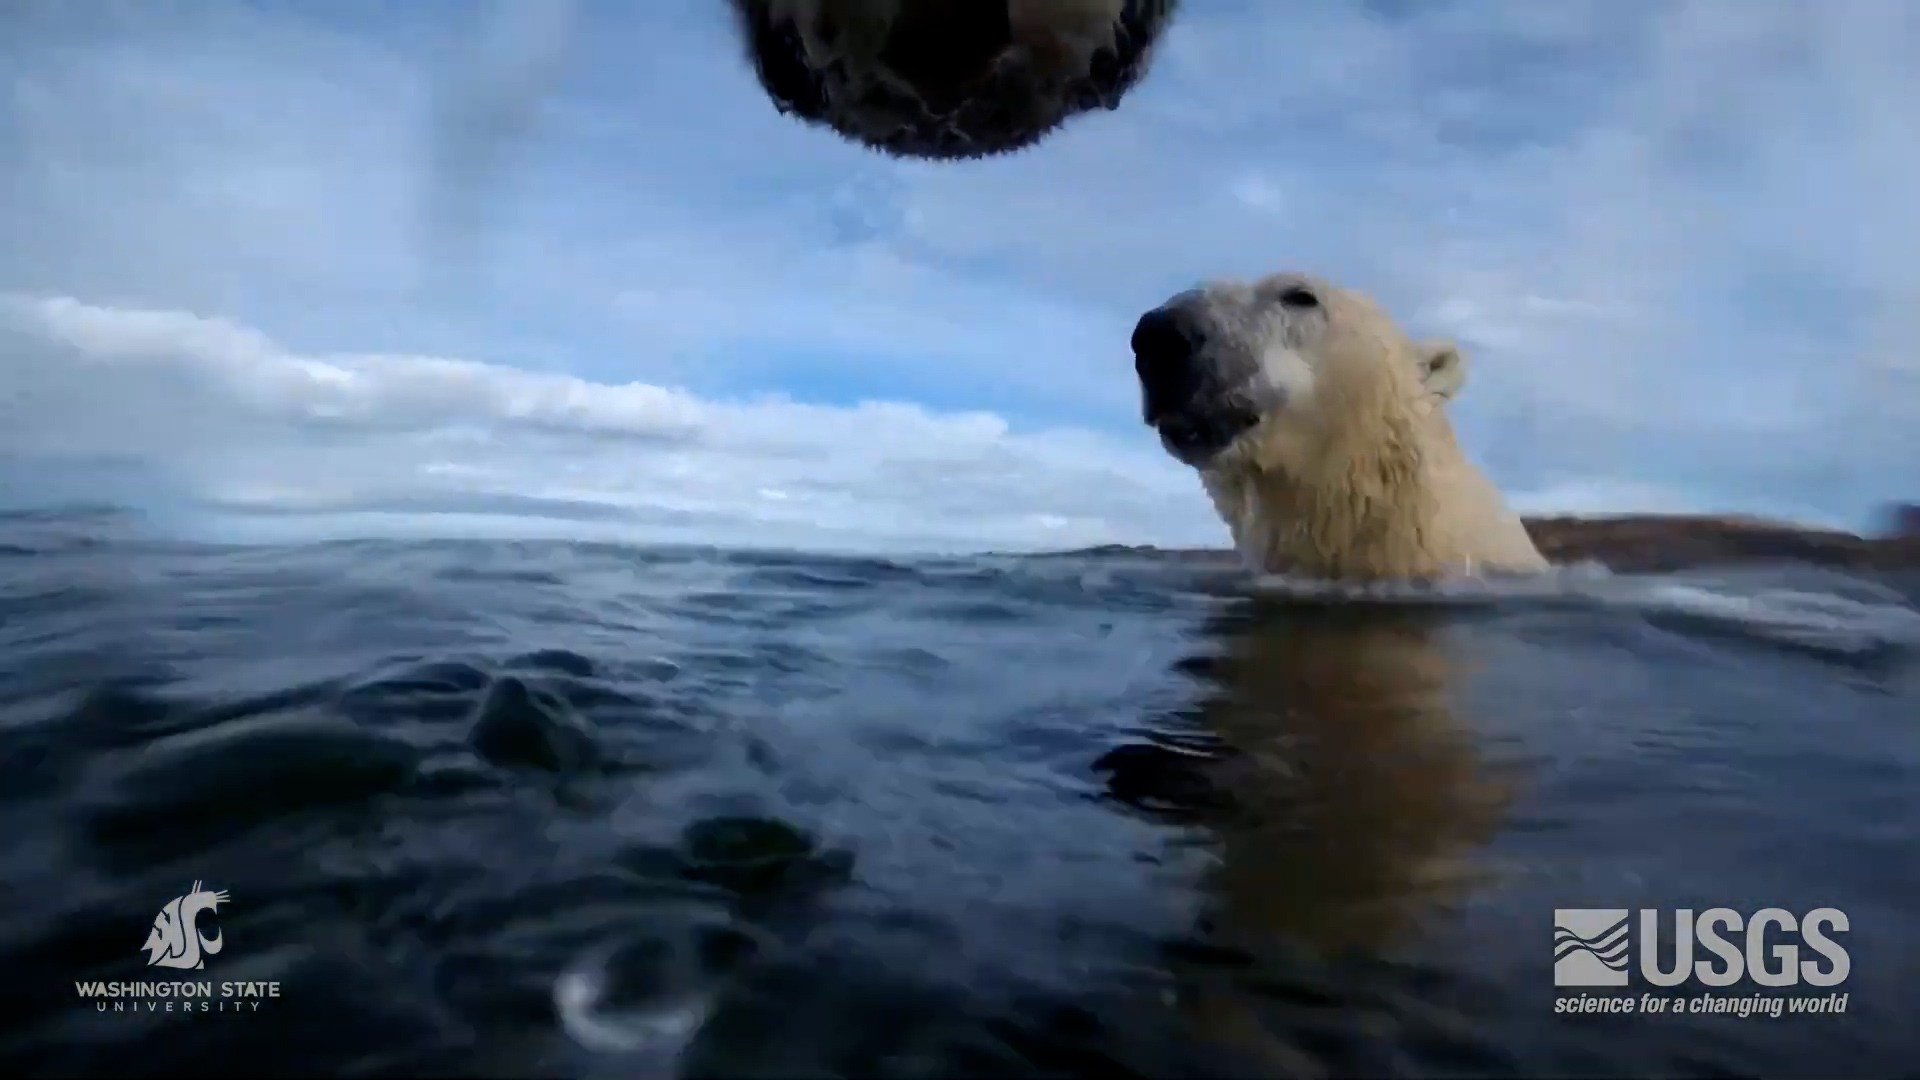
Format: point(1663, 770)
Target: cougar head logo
point(174, 941)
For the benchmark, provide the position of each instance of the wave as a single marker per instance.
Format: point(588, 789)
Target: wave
point(1825, 612)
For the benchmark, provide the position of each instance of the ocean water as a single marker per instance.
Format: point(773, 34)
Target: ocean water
point(551, 809)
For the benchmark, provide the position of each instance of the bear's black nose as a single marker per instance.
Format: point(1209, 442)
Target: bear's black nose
point(1165, 342)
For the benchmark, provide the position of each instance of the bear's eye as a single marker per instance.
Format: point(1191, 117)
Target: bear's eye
point(1297, 297)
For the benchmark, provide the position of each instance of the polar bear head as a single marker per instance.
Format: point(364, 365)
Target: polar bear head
point(1272, 372)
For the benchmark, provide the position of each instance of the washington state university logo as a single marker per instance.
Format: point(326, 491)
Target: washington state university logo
point(1590, 946)
point(175, 940)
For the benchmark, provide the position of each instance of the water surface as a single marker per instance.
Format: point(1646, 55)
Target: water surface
point(555, 809)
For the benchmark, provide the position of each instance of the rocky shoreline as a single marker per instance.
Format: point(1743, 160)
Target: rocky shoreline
point(1675, 542)
point(1654, 543)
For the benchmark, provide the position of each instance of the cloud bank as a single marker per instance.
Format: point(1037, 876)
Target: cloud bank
point(252, 430)
point(562, 270)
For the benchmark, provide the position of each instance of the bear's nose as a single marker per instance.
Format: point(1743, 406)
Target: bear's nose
point(1164, 343)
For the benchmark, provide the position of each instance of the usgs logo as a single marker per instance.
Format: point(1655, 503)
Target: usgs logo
point(1591, 947)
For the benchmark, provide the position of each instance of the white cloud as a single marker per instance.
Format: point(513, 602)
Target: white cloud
point(248, 425)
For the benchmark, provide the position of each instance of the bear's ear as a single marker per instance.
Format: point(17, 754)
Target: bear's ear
point(1443, 368)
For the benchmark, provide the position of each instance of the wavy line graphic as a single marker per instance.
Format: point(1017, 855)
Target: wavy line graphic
point(1609, 946)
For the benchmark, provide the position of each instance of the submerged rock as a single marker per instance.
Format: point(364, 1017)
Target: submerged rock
point(232, 776)
point(518, 726)
point(756, 856)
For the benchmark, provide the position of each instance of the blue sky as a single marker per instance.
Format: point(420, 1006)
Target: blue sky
point(284, 268)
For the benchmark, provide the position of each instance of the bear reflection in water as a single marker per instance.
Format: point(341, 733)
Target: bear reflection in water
point(1344, 794)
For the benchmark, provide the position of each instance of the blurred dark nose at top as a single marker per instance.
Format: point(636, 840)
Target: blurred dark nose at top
point(941, 47)
point(1165, 342)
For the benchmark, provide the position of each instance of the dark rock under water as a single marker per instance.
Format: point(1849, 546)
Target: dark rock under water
point(517, 809)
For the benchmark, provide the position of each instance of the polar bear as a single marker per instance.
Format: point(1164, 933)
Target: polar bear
point(1320, 432)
